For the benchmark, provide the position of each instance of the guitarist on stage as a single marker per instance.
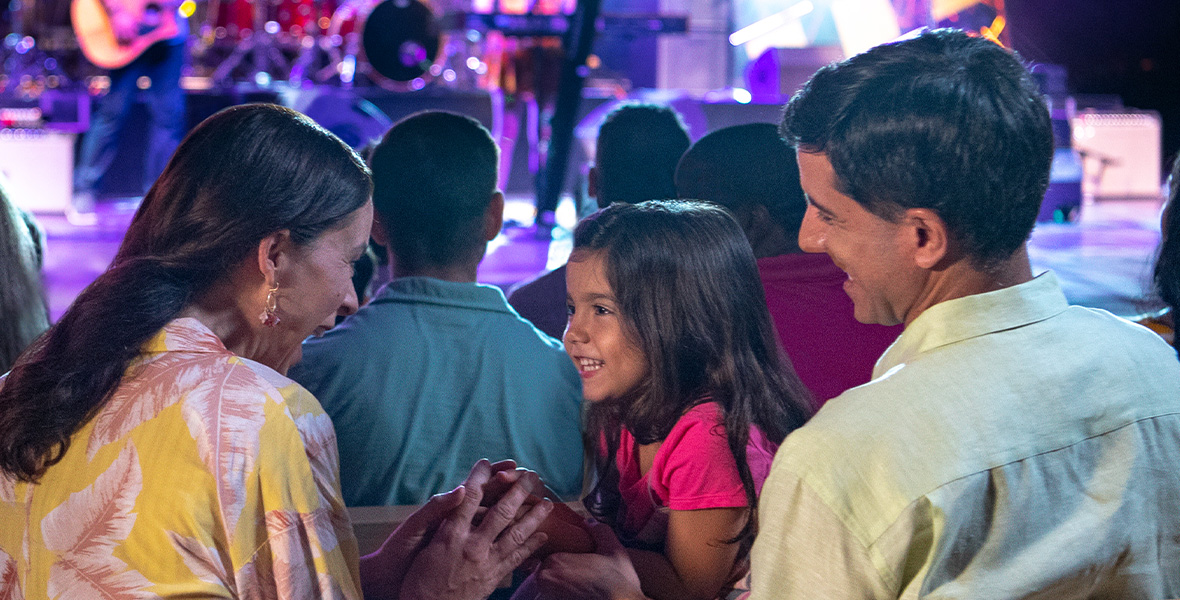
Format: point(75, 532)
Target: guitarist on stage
point(142, 42)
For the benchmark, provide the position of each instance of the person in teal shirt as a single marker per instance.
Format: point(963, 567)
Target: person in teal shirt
point(438, 371)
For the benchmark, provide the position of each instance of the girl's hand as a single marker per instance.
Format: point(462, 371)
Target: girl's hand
point(606, 574)
point(465, 561)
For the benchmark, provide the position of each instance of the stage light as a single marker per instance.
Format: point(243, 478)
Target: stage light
point(760, 28)
point(742, 96)
point(187, 8)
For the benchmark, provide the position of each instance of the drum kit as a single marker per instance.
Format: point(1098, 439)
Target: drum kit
point(399, 45)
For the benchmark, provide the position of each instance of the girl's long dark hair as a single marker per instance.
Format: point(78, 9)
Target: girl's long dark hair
point(689, 293)
point(1166, 277)
point(239, 176)
point(23, 312)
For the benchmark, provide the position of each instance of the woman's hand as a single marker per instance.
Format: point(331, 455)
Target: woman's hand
point(606, 574)
point(463, 560)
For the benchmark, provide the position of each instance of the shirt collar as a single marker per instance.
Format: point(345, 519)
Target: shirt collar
point(976, 315)
point(184, 335)
point(428, 290)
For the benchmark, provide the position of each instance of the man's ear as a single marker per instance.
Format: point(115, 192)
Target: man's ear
point(493, 218)
point(592, 182)
point(274, 252)
point(928, 235)
point(378, 231)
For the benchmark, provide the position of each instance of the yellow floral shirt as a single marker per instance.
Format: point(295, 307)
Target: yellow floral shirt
point(206, 476)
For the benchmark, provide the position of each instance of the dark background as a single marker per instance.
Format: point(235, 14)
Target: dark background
point(1130, 48)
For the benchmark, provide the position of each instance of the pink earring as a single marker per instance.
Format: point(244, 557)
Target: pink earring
point(270, 315)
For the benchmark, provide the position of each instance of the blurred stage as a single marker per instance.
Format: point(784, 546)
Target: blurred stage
point(541, 75)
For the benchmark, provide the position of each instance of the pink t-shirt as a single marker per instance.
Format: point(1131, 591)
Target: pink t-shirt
point(692, 469)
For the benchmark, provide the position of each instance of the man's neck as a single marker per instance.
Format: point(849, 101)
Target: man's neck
point(962, 279)
point(455, 273)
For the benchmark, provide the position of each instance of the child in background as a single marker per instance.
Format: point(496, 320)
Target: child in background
point(689, 393)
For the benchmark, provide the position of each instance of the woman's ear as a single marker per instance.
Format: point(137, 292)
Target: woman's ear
point(274, 252)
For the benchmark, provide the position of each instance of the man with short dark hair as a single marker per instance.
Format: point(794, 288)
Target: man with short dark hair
point(1009, 445)
point(634, 160)
point(751, 171)
point(435, 361)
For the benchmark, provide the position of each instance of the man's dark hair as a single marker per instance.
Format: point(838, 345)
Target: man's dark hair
point(944, 121)
point(742, 166)
point(434, 174)
point(636, 153)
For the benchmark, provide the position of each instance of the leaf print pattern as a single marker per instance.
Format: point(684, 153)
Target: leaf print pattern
point(288, 571)
point(205, 563)
point(319, 439)
point(157, 380)
point(9, 584)
point(85, 529)
point(7, 488)
point(159, 384)
point(225, 417)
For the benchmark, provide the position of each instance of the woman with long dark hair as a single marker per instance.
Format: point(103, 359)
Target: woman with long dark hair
point(149, 442)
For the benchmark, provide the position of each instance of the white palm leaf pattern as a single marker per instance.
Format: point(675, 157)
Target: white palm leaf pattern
point(85, 529)
point(225, 416)
point(9, 583)
point(206, 564)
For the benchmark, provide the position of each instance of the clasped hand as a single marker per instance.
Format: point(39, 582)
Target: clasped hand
point(446, 551)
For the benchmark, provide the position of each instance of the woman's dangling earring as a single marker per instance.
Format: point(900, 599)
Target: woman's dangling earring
point(270, 314)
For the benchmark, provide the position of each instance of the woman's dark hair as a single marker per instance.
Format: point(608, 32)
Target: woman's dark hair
point(241, 175)
point(690, 297)
point(1167, 264)
point(944, 121)
point(23, 312)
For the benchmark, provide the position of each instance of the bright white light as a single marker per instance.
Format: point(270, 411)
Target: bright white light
point(272, 27)
point(758, 29)
point(472, 63)
point(449, 75)
point(742, 96)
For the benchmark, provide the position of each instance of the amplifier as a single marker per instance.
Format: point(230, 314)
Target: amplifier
point(1121, 153)
point(39, 166)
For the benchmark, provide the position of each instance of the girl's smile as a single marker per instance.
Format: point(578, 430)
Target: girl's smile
point(597, 338)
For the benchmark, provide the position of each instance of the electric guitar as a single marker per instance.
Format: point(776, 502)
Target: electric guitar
point(96, 35)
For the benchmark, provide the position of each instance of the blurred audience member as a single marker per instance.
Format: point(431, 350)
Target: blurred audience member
point(437, 370)
point(749, 170)
point(23, 311)
point(635, 160)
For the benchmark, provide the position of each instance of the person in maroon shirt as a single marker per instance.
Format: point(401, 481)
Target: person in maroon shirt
point(752, 172)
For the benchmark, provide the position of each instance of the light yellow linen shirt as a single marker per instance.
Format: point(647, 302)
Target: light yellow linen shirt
point(1009, 446)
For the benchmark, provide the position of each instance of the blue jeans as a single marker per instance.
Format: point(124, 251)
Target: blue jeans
point(162, 63)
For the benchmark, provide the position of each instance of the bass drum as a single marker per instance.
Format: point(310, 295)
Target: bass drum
point(392, 42)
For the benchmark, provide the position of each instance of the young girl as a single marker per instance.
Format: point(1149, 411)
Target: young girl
point(689, 393)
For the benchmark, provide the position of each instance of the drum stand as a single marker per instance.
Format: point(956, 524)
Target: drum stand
point(265, 54)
